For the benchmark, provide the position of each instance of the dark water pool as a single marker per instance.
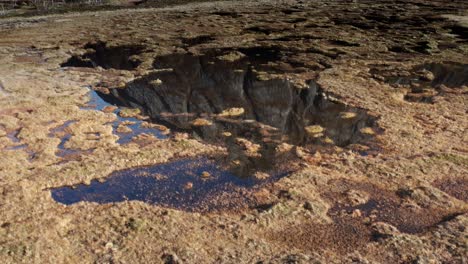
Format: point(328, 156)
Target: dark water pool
point(190, 184)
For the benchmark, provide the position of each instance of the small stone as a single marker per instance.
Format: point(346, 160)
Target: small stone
point(159, 176)
point(328, 140)
point(384, 230)
point(261, 175)
point(300, 152)
point(235, 111)
point(181, 136)
point(426, 75)
point(109, 109)
point(356, 213)
point(317, 156)
point(188, 186)
point(356, 197)
point(347, 115)
point(308, 206)
point(314, 131)
point(367, 131)
point(122, 128)
point(232, 56)
point(284, 147)
point(156, 82)
point(170, 259)
point(201, 122)
point(129, 112)
point(205, 175)
point(248, 145)
point(227, 134)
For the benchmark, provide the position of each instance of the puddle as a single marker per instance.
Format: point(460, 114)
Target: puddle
point(64, 137)
point(224, 99)
point(136, 125)
point(18, 147)
point(192, 185)
point(13, 136)
point(97, 103)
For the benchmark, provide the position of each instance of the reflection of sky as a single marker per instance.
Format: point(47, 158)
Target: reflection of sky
point(160, 184)
point(97, 103)
point(13, 136)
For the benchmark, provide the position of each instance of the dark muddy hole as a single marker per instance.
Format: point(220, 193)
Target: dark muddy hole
point(99, 54)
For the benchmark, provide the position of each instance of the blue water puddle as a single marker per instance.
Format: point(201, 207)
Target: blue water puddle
point(13, 136)
point(17, 147)
point(60, 128)
point(197, 184)
point(62, 150)
point(177, 184)
point(97, 103)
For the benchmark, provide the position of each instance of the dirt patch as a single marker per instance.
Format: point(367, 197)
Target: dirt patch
point(343, 236)
point(456, 187)
point(373, 204)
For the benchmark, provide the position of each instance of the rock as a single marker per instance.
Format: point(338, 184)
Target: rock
point(300, 152)
point(201, 122)
point(122, 128)
point(181, 136)
point(356, 197)
point(156, 82)
point(232, 56)
point(248, 145)
point(347, 115)
point(284, 147)
point(356, 213)
point(367, 131)
point(426, 75)
point(235, 111)
point(170, 259)
point(205, 175)
point(188, 186)
point(129, 112)
point(109, 109)
point(384, 230)
point(308, 206)
point(328, 140)
point(261, 175)
point(314, 131)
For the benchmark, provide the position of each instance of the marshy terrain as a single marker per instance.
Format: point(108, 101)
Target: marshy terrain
point(234, 132)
